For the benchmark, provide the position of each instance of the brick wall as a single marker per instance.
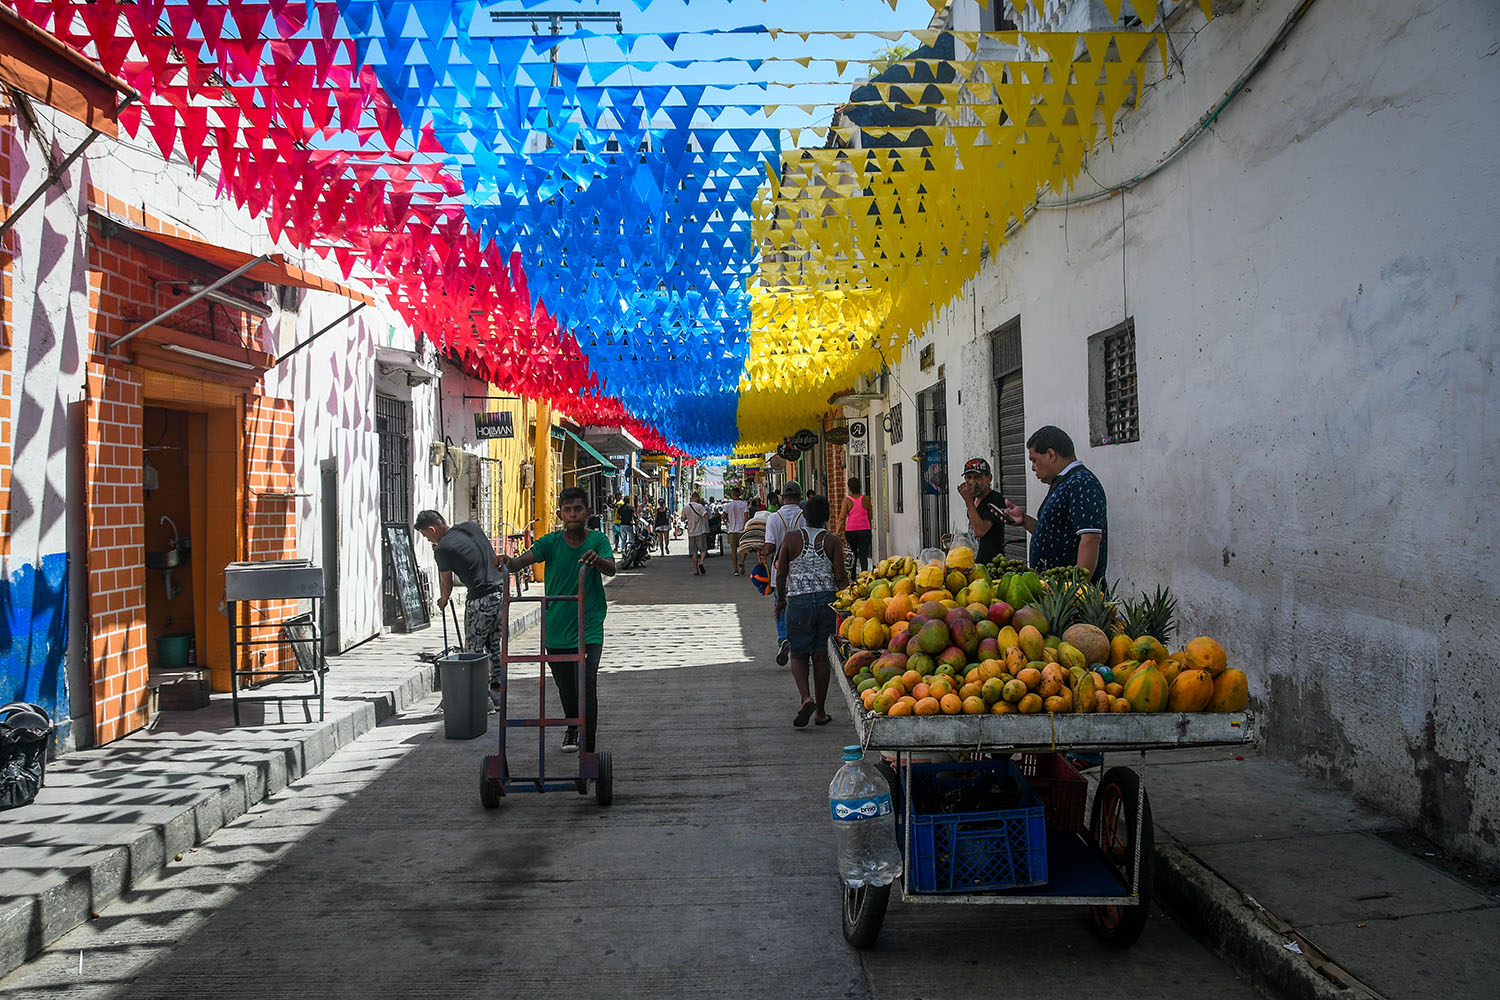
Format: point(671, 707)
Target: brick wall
point(8, 149)
point(838, 480)
point(116, 551)
point(270, 510)
point(136, 284)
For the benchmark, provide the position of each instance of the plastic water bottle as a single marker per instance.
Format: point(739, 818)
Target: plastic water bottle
point(864, 822)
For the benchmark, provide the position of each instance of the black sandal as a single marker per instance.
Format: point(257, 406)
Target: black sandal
point(804, 713)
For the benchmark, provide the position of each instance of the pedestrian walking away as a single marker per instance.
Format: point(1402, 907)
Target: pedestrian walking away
point(562, 552)
point(809, 572)
point(857, 531)
point(1071, 528)
point(465, 550)
point(786, 519)
point(736, 513)
point(696, 515)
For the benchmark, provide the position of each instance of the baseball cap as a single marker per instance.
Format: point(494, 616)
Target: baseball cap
point(792, 489)
point(978, 465)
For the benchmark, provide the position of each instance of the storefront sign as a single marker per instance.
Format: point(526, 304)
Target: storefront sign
point(494, 425)
point(836, 435)
point(804, 440)
point(789, 452)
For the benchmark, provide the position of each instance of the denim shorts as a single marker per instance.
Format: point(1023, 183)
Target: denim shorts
point(809, 622)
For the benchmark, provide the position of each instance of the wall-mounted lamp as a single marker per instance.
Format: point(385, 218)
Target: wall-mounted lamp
point(205, 356)
point(223, 298)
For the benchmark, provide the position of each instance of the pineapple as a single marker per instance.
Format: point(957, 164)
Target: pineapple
point(1058, 603)
point(1095, 609)
point(1155, 616)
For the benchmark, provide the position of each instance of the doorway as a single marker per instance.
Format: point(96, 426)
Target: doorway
point(1005, 368)
point(932, 433)
point(328, 497)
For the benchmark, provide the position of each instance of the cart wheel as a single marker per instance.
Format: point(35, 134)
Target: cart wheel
point(489, 788)
point(1113, 825)
point(864, 912)
point(604, 785)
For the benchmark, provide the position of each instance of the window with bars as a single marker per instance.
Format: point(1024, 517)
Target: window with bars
point(1114, 415)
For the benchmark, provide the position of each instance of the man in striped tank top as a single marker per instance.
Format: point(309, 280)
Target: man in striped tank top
point(809, 570)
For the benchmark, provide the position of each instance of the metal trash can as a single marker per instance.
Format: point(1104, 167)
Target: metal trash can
point(465, 678)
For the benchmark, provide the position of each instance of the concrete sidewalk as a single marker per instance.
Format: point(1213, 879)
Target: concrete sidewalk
point(1311, 893)
point(109, 819)
point(1306, 892)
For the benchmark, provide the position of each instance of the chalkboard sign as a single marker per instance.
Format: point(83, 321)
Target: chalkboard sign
point(403, 562)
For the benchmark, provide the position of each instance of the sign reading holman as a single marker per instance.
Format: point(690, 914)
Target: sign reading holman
point(494, 425)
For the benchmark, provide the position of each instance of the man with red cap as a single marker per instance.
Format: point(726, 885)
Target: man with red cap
point(985, 508)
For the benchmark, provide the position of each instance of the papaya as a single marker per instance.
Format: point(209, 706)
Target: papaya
point(1231, 691)
point(1191, 691)
point(874, 635)
point(1119, 650)
point(1146, 647)
point(1146, 691)
point(930, 576)
point(1204, 653)
point(960, 557)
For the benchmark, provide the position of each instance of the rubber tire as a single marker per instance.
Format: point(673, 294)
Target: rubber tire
point(604, 785)
point(489, 788)
point(864, 912)
point(1120, 926)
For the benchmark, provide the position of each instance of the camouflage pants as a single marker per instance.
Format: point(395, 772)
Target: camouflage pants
point(484, 625)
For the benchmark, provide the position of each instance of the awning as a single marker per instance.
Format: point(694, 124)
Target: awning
point(275, 271)
point(648, 477)
point(40, 66)
point(608, 467)
point(612, 440)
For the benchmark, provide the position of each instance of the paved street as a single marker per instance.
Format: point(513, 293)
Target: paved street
point(380, 874)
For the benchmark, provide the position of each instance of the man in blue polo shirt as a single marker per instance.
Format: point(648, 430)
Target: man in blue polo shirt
point(1072, 526)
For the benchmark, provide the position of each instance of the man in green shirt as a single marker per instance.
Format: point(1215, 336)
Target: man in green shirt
point(563, 552)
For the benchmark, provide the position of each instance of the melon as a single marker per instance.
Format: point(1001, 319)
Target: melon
point(1088, 640)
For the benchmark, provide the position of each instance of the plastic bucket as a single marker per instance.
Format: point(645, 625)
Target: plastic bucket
point(465, 678)
point(172, 650)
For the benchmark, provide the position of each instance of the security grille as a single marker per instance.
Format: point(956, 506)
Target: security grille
point(1121, 419)
point(392, 427)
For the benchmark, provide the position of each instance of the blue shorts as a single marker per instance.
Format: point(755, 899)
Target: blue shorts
point(809, 622)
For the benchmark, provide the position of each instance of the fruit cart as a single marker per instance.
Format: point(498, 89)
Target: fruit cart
point(1039, 851)
point(596, 769)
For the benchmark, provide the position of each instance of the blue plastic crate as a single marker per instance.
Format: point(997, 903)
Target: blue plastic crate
point(976, 851)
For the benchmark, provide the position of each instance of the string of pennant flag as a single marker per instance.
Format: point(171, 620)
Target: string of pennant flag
point(643, 242)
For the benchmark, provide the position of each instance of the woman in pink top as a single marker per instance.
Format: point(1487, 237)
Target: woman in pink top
point(857, 525)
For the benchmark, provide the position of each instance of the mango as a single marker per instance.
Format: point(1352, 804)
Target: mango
point(1030, 641)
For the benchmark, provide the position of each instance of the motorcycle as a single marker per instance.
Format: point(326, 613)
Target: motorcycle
point(639, 550)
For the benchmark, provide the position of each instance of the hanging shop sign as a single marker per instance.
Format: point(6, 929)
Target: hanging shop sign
point(804, 440)
point(789, 452)
point(859, 437)
point(494, 425)
point(836, 435)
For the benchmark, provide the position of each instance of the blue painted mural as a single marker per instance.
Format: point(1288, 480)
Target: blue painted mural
point(34, 635)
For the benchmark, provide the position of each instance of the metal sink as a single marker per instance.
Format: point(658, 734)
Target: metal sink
point(164, 559)
point(272, 579)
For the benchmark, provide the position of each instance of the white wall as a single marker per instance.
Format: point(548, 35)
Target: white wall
point(1316, 291)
